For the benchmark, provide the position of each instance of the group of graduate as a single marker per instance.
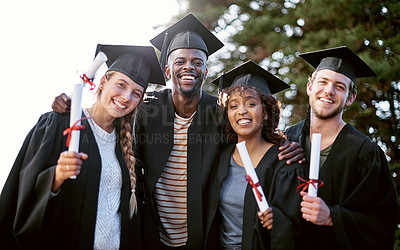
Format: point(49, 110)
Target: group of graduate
point(160, 170)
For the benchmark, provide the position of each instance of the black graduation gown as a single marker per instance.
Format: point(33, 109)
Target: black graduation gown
point(359, 191)
point(279, 182)
point(33, 219)
point(155, 142)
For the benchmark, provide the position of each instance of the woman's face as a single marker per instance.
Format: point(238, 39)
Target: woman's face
point(120, 95)
point(245, 113)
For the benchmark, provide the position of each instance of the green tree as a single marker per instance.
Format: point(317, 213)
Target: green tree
point(273, 32)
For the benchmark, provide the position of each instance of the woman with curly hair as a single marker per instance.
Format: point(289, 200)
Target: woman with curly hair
point(250, 113)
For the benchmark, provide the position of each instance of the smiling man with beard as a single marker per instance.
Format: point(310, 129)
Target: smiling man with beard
point(176, 171)
point(357, 206)
point(188, 69)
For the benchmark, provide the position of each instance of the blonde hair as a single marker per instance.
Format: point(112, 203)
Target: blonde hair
point(127, 138)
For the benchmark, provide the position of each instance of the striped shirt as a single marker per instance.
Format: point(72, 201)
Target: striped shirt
point(171, 188)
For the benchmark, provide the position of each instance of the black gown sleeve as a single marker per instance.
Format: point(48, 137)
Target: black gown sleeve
point(369, 214)
point(285, 203)
point(8, 200)
point(31, 178)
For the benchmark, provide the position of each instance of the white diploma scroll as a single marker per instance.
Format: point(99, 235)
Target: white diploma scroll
point(76, 100)
point(244, 154)
point(314, 163)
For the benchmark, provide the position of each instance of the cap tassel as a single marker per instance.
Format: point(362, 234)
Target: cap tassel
point(163, 55)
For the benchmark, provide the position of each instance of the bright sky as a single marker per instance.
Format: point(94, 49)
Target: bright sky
point(45, 44)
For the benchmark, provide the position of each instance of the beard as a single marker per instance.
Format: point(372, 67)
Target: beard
point(326, 116)
point(194, 90)
point(190, 92)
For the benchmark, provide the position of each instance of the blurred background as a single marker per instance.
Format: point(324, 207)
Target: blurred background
point(45, 45)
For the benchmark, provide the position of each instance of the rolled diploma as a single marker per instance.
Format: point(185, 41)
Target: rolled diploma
point(76, 114)
point(314, 163)
point(248, 166)
point(76, 100)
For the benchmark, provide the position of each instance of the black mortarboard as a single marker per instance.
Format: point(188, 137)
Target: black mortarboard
point(137, 62)
point(187, 33)
point(251, 74)
point(340, 59)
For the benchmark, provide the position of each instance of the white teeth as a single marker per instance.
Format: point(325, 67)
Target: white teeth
point(185, 77)
point(325, 100)
point(243, 121)
point(119, 105)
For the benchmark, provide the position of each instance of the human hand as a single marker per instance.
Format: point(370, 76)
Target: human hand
point(315, 210)
point(266, 218)
point(69, 164)
point(61, 104)
point(291, 151)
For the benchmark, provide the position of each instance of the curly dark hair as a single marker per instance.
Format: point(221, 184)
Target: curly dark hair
point(271, 108)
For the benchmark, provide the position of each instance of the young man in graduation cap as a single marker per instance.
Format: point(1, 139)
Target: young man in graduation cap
point(179, 138)
point(357, 205)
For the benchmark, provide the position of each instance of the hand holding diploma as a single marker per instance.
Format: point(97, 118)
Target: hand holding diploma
point(266, 218)
point(252, 177)
point(68, 165)
point(313, 208)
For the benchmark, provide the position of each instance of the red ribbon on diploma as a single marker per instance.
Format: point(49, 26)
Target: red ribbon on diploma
point(86, 79)
point(68, 131)
point(254, 185)
point(307, 183)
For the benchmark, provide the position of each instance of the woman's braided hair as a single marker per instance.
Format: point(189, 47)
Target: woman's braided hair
point(126, 140)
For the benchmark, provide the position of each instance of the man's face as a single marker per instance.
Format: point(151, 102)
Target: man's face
point(188, 69)
point(329, 94)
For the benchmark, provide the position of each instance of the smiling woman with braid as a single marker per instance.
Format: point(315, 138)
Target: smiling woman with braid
point(41, 207)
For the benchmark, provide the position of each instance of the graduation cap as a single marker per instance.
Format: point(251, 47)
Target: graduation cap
point(341, 60)
point(187, 33)
point(251, 74)
point(137, 62)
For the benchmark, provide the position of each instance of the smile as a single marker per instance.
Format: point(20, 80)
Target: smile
point(322, 99)
point(244, 121)
point(189, 77)
point(120, 105)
